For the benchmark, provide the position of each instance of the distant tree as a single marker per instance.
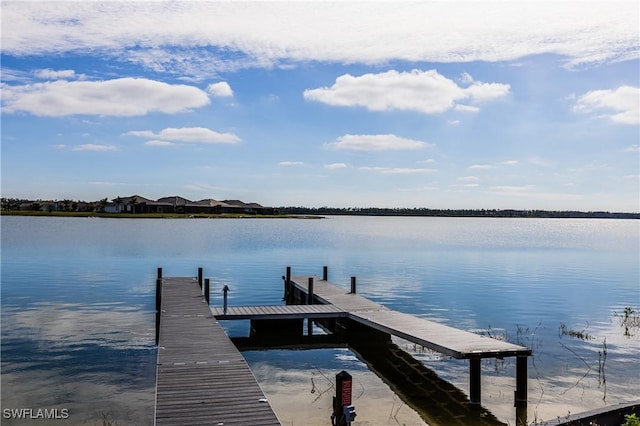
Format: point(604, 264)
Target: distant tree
point(102, 204)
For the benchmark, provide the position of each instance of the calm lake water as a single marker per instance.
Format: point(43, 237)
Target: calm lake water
point(78, 307)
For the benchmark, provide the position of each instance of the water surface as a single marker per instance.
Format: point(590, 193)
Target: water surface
point(78, 306)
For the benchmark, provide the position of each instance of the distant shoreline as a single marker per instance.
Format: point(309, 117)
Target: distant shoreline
point(319, 213)
point(153, 215)
point(500, 213)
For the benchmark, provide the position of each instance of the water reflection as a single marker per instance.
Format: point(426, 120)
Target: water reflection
point(77, 303)
point(68, 355)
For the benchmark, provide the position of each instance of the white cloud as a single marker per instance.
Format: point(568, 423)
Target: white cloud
point(375, 143)
point(427, 92)
point(481, 167)
point(334, 166)
point(621, 105)
point(290, 163)
point(49, 74)
point(633, 148)
point(466, 108)
point(259, 33)
point(187, 134)
point(119, 97)
point(94, 147)
point(159, 143)
point(510, 162)
point(397, 170)
point(468, 178)
point(221, 89)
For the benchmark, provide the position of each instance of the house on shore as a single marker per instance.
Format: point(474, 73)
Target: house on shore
point(175, 204)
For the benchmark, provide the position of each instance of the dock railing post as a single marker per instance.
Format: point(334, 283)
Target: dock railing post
point(353, 285)
point(200, 278)
point(325, 273)
point(207, 283)
point(159, 273)
point(310, 291)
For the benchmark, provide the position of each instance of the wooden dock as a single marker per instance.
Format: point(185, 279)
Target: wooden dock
point(447, 340)
point(201, 379)
point(278, 312)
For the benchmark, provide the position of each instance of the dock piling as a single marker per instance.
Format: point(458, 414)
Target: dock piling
point(159, 273)
point(225, 290)
point(287, 285)
point(474, 380)
point(207, 287)
point(158, 304)
point(353, 285)
point(200, 278)
point(325, 273)
point(310, 291)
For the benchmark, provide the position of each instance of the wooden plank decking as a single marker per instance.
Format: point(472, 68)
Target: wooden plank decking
point(439, 337)
point(202, 379)
point(278, 312)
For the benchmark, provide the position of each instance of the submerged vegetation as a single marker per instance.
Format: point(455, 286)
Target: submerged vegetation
point(565, 331)
point(629, 320)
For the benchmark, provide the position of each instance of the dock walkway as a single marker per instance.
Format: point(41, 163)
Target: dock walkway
point(201, 379)
point(447, 340)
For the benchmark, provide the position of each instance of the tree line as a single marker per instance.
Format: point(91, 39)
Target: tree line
point(68, 205)
point(375, 211)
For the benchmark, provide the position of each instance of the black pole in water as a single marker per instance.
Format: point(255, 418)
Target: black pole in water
point(200, 277)
point(310, 292)
point(158, 306)
point(206, 289)
point(521, 390)
point(287, 285)
point(325, 273)
point(353, 285)
point(225, 290)
point(474, 381)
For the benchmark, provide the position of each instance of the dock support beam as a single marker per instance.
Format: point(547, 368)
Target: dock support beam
point(521, 390)
point(353, 285)
point(474, 380)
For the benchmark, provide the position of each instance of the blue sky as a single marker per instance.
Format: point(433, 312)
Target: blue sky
point(526, 105)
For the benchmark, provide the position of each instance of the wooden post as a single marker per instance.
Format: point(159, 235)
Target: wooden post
point(200, 277)
point(325, 273)
point(159, 273)
point(475, 380)
point(310, 292)
point(353, 285)
point(207, 282)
